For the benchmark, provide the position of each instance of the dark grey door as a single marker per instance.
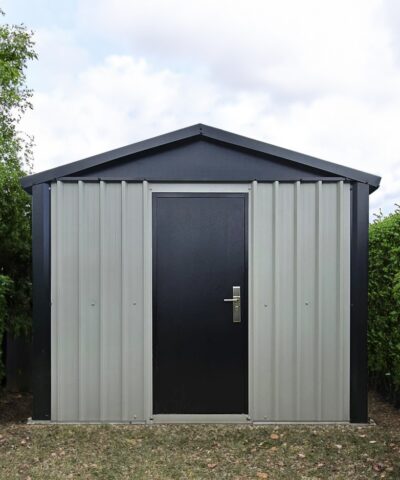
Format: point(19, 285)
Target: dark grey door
point(199, 352)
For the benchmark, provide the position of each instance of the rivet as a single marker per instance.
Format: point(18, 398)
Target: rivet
point(134, 303)
point(92, 304)
point(307, 303)
point(265, 305)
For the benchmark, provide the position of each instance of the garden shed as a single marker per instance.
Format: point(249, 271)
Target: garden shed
point(200, 276)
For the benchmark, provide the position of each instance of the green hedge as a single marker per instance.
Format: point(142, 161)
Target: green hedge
point(6, 285)
point(384, 305)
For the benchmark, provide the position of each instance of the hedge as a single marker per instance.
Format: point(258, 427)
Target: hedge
point(5, 287)
point(384, 305)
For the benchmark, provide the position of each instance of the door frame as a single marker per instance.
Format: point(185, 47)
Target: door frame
point(148, 190)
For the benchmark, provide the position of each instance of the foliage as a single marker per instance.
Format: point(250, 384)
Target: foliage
point(6, 285)
point(384, 304)
point(16, 49)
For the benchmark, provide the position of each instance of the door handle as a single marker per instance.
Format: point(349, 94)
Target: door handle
point(236, 310)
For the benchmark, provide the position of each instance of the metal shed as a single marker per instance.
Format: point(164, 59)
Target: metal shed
point(200, 276)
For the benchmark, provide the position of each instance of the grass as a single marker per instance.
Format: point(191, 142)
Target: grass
point(197, 451)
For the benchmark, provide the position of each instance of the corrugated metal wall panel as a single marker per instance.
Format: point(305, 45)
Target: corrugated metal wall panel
point(89, 301)
point(97, 302)
point(132, 303)
point(54, 286)
point(307, 330)
point(302, 312)
point(285, 326)
point(263, 295)
point(110, 302)
point(67, 300)
point(300, 234)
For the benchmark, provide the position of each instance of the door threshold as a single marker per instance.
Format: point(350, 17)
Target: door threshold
point(200, 418)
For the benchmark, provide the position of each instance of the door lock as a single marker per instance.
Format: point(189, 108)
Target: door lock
point(236, 310)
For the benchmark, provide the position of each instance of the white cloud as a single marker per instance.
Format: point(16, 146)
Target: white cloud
point(293, 48)
point(318, 77)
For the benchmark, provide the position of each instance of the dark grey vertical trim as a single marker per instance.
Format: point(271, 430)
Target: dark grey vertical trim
point(359, 304)
point(41, 302)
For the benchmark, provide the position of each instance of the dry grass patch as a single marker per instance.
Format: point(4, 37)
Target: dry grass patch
point(200, 451)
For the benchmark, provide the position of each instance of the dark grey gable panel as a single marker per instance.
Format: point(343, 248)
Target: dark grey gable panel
point(231, 141)
point(202, 160)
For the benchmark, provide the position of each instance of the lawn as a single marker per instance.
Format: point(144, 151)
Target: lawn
point(197, 451)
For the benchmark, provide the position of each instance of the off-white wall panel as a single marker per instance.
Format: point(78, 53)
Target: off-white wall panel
point(285, 325)
point(301, 315)
point(67, 301)
point(263, 295)
point(110, 309)
point(97, 302)
point(89, 301)
point(132, 302)
point(299, 258)
point(307, 324)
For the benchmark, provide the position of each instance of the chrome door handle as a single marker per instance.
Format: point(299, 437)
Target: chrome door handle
point(236, 310)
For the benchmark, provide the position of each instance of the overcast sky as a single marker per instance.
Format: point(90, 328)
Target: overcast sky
point(319, 77)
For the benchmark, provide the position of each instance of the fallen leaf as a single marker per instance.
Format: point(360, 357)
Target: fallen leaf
point(378, 467)
point(301, 455)
point(372, 441)
point(274, 436)
point(338, 447)
point(212, 465)
point(262, 475)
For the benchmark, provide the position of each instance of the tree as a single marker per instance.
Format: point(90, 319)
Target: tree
point(16, 49)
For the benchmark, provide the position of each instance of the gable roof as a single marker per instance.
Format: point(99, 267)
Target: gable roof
point(206, 132)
